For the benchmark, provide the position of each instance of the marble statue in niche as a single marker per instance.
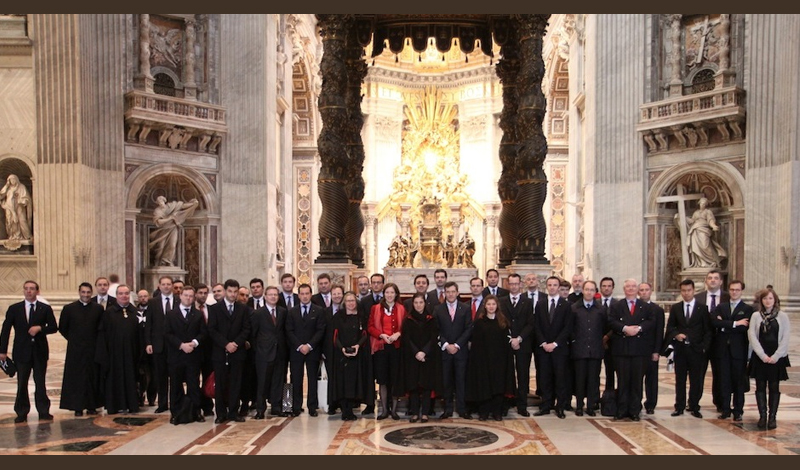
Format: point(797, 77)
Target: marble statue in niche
point(704, 250)
point(169, 218)
point(16, 203)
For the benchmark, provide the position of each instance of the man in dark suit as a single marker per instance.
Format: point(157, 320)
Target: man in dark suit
point(376, 280)
point(657, 338)
point(607, 285)
point(337, 294)
point(577, 286)
point(249, 380)
point(689, 332)
point(518, 310)
point(229, 328)
point(102, 285)
point(363, 287)
point(492, 284)
point(476, 301)
point(421, 287)
point(632, 323)
point(206, 366)
point(154, 331)
point(534, 295)
point(731, 321)
point(553, 327)
point(711, 297)
point(305, 328)
point(323, 296)
point(455, 328)
point(268, 330)
point(436, 296)
point(587, 347)
point(32, 321)
point(184, 331)
point(287, 298)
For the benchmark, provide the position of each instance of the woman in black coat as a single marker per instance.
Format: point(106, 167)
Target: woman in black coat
point(490, 370)
point(420, 363)
point(351, 375)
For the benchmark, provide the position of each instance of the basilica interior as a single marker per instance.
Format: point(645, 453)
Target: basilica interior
point(650, 146)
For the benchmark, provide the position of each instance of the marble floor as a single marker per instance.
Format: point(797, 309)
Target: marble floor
point(149, 433)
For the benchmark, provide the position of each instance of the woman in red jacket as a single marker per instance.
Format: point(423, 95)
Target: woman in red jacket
point(385, 323)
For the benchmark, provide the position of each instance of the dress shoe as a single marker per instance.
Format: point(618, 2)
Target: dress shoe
point(313, 413)
point(20, 419)
point(383, 415)
point(497, 417)
point(737, 417)
point(445, 415)
point(173, 420)
point(579, 411)
point(296, 412)
point(650, 411)
point(259, 415)
point(413, 419)
point(676, 413)
point(482, 418)
point(465, 415)
point(597, 407)
point(619, 417)
point(331, 411)
point(523, 412)
point(46, 417)
point(542, 413)
point(394, 415)
point(199, 419)
point(161, 410)
point(238, 419)
point(568, 407)
point(79, 413)
point(696, 414)
point(91, 412)
point(150, 403)
point(560, 414)
point(590, 412)
point(725, 415)
point(424, 419)
point(635, 418)
point(219, 421)
point(368, 410)
point(208, 413)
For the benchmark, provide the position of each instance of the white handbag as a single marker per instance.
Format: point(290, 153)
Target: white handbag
point(322, 389)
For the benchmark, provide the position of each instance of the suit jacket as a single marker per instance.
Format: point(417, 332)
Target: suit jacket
point(26, 346)
point(521, 319)
point(620, 316)
point(408, 304)
point(179, 331)
point(251, 302)
point(469, 305)
point(268, 337)
point(559, 331)
point(155, 326)
point(587, 330)
point(317, 299)
point(456, 331)
point(574, 297)
point(366, 304)
point(309, 330)
point(658, 333)
point(500, 292)
point(327, 340)
point(111, 300)
point(224, 328)
point(282, 300)
point(698, 329)
point(700, 297)
point(727, 338)
point(433, 298)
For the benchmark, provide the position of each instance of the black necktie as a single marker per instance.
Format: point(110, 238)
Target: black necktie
point(272, 314)
point(688, 312)
point(713, 302)
point(605, 303)
point(514, 301)
point(30, 314)
point(185, 313)
point(552, 309)
point(305, 310)
point(289, 301)
point(230, 310)
point(167, 306)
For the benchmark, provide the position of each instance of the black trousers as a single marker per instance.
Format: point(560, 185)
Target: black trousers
point(732, 382)
point(587, 380)
point(297, 362)
point(161, 377)
point(22, 404)
point(265, 389)
point(651, 385)
point(249, 381)
point(491, 406)
point(553, 371)
point(454, 379)
point(414, 399)
point(522, 364)
point(147, 383)
point(688, 361)
point(716, 382)
point(630, 377)
point(185, 372)
point(227, 387)
point(608, 362)
point(206, 368)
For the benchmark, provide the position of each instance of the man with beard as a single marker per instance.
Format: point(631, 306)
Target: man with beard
point(122, 348)
point(79, 324)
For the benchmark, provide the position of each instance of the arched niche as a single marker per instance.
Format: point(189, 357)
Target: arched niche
point(684, 185)
point(22, 241)
point(196, 251)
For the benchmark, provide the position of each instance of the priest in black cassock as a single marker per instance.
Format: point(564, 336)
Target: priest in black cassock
point(79, 324)
point(121, 339)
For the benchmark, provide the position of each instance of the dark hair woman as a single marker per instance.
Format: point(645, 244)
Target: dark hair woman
point(385, 324)
point(351, 377)
point(420, 359)
point(490, 370)
point(769, 337)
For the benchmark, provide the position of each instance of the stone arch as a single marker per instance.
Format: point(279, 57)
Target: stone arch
point(725, 172)
point(141, 176)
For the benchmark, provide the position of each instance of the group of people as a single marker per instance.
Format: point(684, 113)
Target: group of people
point(472, 352)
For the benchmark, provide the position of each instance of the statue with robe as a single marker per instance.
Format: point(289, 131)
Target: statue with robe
point(16, 203)
point(704, 250)
point(169, 218)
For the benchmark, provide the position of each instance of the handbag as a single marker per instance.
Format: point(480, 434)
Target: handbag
point(322, 389)
point(9, 367)
point(209, 386)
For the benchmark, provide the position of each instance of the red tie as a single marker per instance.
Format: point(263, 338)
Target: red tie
point(441, 297)
point(474, 307)
point(633, 306)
